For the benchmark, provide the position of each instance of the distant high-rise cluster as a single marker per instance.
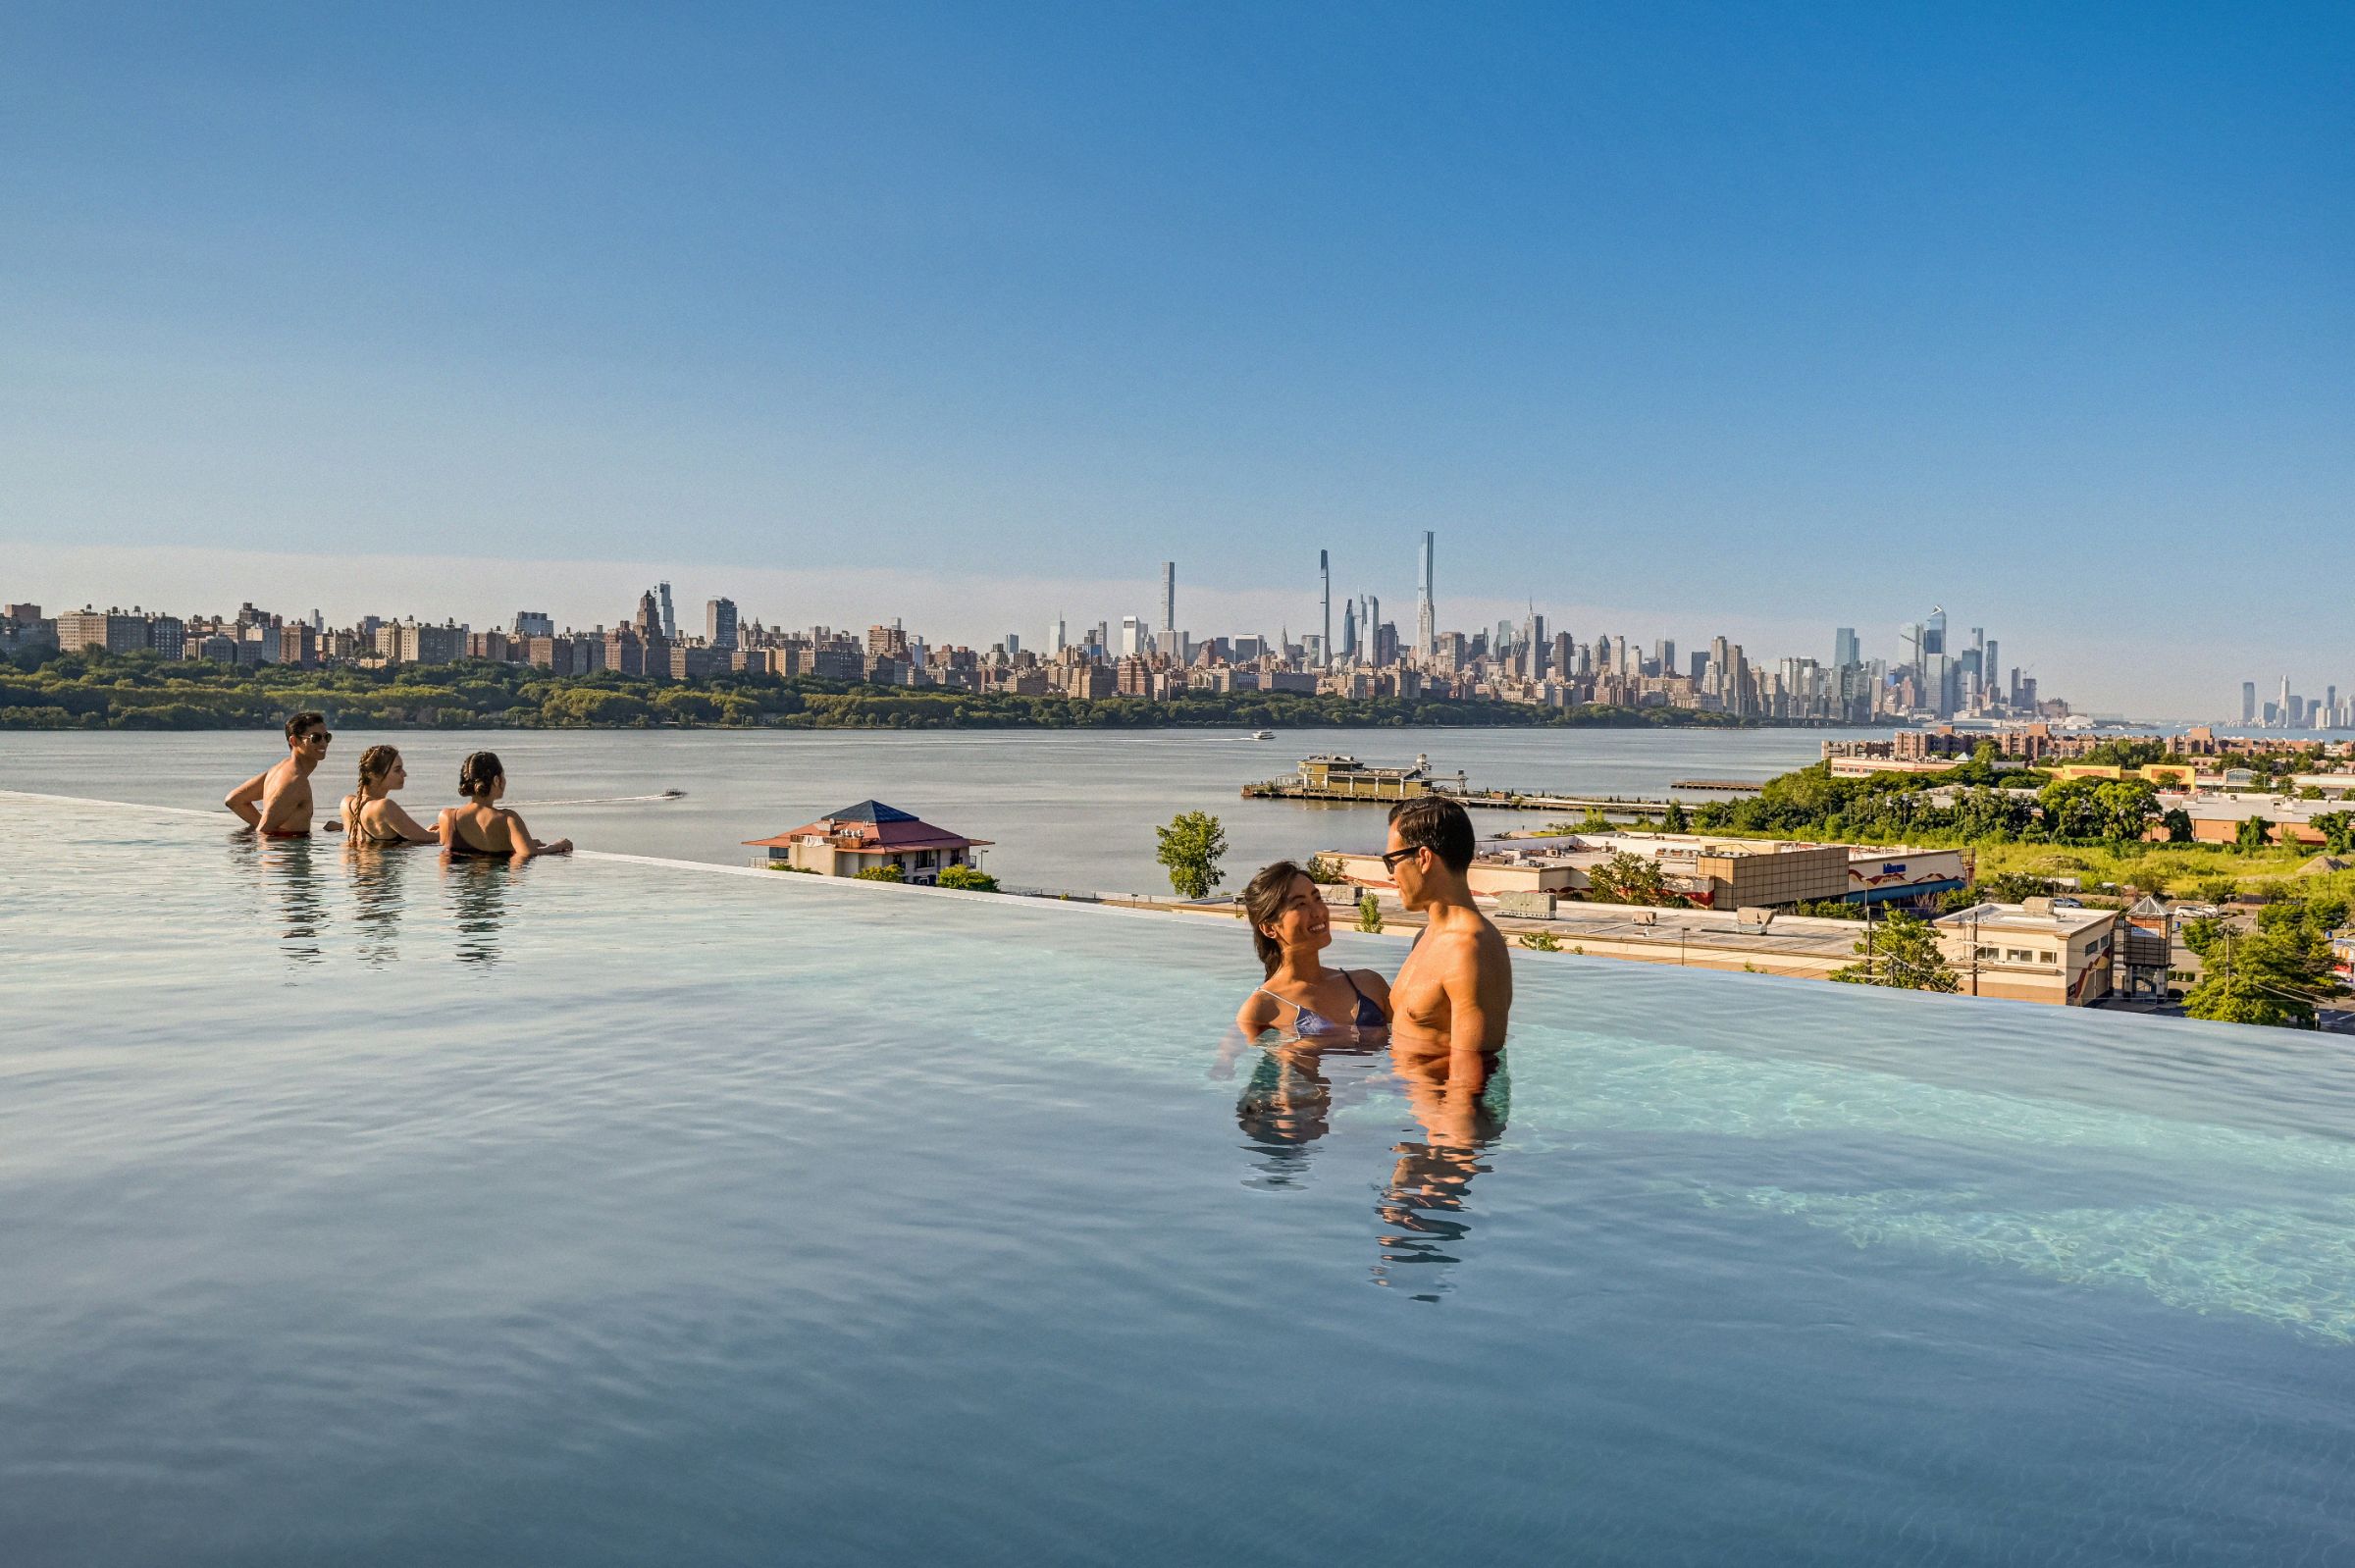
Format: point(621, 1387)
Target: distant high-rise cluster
point(2291, 710)
point(1520, 658)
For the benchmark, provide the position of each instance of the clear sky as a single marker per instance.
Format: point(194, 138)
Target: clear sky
point(1668, 316)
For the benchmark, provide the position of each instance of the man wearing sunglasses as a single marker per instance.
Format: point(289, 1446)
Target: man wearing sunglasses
point(276, 802)
point(1455, 989)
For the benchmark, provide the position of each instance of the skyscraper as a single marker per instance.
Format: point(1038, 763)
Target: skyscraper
point(1427, 618)
point(1846, 650)
point(670, 621)
point(1168, 596)
point(1348, 628)
point(1324, 599)
point(720, 624)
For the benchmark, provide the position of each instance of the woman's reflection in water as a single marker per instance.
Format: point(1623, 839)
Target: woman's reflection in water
point(1289, 1102)
point(478, 888)
point(377, 875)
point(1461, 1104)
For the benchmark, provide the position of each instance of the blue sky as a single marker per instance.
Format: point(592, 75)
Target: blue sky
point(1665, 316)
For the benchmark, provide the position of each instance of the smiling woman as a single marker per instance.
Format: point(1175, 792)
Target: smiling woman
point(1290, 927)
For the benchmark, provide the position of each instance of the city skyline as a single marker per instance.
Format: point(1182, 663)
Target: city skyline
point(310, 284)
point(965, 618)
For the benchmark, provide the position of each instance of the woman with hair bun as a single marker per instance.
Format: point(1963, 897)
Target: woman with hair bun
point(483, 826)
point(371, 817)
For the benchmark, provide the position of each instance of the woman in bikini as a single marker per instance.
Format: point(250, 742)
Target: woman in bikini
point(1290, 928)
point(371, 815)
point(483, 827)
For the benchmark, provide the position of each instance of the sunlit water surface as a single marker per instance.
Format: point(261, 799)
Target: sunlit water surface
point(381, 1211)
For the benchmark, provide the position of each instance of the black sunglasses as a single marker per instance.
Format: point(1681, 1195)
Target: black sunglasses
point(1390, 861)
point(321, 736)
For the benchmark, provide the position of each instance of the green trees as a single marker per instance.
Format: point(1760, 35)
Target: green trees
point(2254, 833)
point(1192, 847)
point(1673, 820)
point(1625, 877)
point(1369, 912)
point(2339, 831)
point(2115, 809)
point(970, 877)
point(1541, 941)
point(2177, 824)
point(2273, 974)
point(880, 873)
point(1901, 953)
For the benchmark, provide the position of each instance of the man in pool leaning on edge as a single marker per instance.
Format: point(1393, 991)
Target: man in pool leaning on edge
point(1452, 995)
point(275, 802)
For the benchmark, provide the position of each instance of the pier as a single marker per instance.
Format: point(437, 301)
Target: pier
point(1347, 780)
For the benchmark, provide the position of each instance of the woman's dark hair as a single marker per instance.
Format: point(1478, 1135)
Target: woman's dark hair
point(1435, 823)
point(375, 763)
point(1263, 900)
point(478, 773)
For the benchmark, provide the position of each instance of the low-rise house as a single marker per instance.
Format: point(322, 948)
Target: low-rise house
point(868, 836)
point(2031, 952)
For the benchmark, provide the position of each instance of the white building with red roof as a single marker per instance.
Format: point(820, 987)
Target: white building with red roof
point(868, 836)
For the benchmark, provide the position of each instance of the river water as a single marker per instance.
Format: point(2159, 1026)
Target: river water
point(1064, 810)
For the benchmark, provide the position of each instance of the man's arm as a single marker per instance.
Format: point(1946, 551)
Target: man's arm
point(245, 799)
point(1467, 1024)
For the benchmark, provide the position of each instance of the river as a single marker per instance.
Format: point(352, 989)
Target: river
point(1064, 809)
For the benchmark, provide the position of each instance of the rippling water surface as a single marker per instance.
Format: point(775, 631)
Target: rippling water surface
point(383, 1211)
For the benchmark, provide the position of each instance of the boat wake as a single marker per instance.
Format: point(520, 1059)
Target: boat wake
point(611, 800)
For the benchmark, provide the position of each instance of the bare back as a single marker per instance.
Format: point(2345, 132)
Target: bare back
point(483, 830)
point(1455, 990)
point(285, 805)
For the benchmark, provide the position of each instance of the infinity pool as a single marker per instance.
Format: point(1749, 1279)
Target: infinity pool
point(611, 1211)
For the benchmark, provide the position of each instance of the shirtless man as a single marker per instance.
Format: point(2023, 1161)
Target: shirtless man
point(1452, 994)
point(277, 804)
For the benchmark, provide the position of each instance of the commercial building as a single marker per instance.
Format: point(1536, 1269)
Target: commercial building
point(2031, 952)
point(1707, 872)
point(869, 836)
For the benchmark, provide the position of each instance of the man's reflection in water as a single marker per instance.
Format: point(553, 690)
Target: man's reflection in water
point(478, 888)
point(1461, 1104)
point(287, 869)
point(377, 875)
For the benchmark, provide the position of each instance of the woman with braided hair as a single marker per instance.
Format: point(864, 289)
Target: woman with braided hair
point(371, 815)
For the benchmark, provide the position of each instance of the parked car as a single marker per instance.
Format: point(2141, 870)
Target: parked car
point(2069, 904)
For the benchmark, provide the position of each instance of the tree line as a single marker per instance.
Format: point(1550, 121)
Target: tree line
point(143, 691)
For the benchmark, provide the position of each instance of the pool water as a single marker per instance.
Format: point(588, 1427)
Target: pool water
point(383, 1211)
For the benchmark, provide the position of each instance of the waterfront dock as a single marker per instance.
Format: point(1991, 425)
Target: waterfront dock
point(1345, 780)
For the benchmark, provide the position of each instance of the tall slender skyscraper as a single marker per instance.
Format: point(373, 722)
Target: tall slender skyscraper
point(1168, 596)
point(1325, 595)
point(1427, 619)
point(670, 620)
point(1845, 649)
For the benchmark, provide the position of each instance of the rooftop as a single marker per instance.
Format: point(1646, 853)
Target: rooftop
point(2046, 921)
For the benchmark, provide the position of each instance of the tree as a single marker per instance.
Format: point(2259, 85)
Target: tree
point(970, 877)
point(1901, 953)
point(1369, 912)
point(880, 873)
point(2339, 831)
point(2125, 807)
point(2254, 833)
point(2273, 974)
point(1674, 819)
point(1325, 870)
point(2177, 824)
point(1192, 847)
point(1626, 878)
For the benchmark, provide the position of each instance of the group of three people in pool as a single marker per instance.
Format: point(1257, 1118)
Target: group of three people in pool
point(277, 802)
point(1453, 992)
